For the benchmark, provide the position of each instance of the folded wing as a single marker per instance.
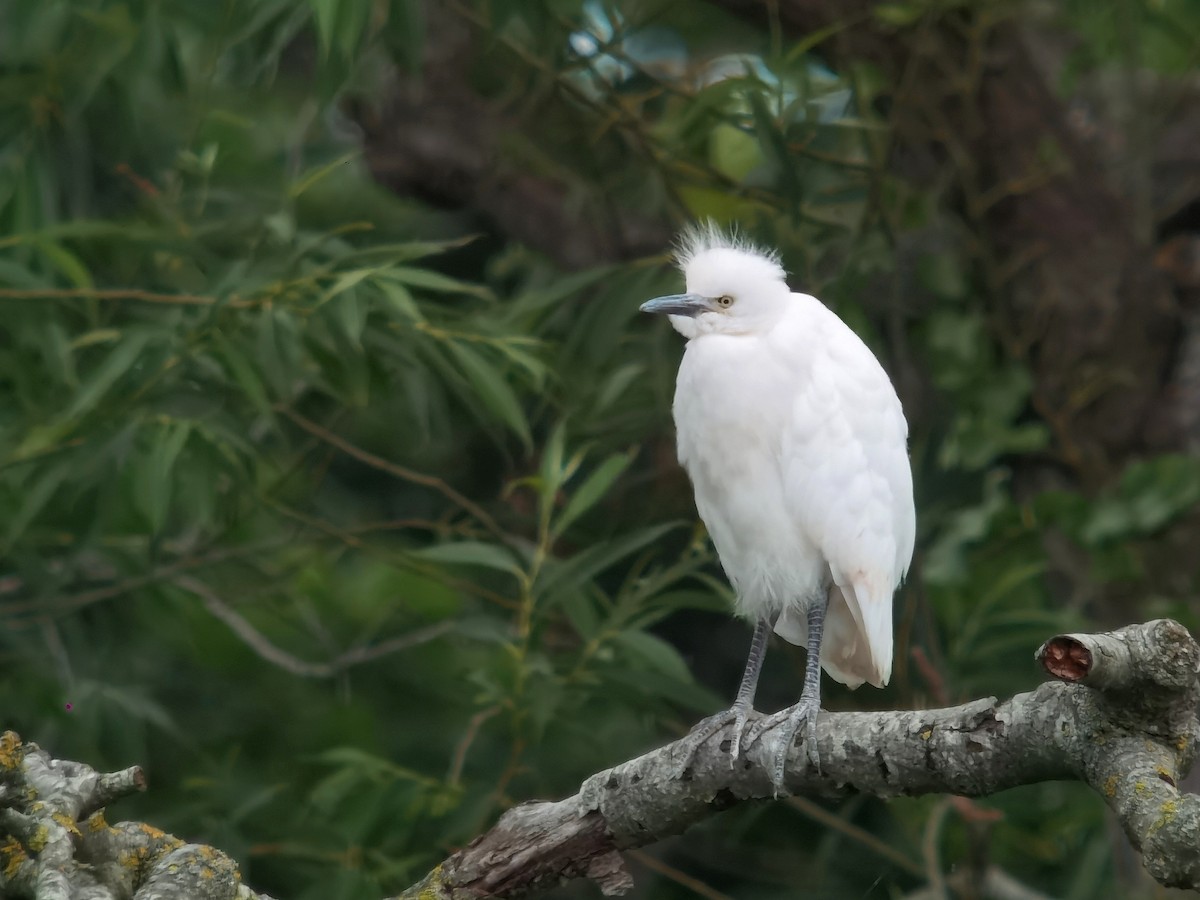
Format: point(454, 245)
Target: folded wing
point(848, 483)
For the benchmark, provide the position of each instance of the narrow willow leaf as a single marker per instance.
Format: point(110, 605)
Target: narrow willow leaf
point(535, 368)
point(268, 352)
point(350, 313)
point(594, 487)
point(572, 574)
point(313, 176)
point(541, 298)
point(398, 300)
point(97, 382)
point(325, 13)
point(67, 263)
point(58, 352)
point(243, 373)
point(411, 250)
point(470, 553)
point(351, 23)
point(97, 336)
point(550, 474)
point(433, 281)
point(84, 228)
point(344, 282)
point(493, 390)
point(898, 15)
point(580, 610)
point(684, 693)
point(34, 498)
point(655, 654)
point(616, 385)
point(156, 475)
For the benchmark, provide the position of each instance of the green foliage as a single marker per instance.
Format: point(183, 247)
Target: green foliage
point(1157, 34)
point(356, 525)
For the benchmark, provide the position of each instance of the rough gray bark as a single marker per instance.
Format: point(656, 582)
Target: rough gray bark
point(56, 845)
point(1122, 717)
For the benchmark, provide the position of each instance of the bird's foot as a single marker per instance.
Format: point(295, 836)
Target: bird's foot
point(789, 722)
point(737, 716)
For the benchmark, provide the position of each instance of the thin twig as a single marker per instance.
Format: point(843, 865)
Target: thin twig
point(695, 885)
point(819, 814)
point(65, 603)
point(933, 678)
point(402, 472)
point(349, 537)
point(137, 294)
point(933, 856)
point(261, 645)
point(460, 752)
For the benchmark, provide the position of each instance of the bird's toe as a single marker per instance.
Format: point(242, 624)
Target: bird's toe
point(802, 715)
point(689, 745)
point(779, 766)
point(738, 736)
point(810, 740)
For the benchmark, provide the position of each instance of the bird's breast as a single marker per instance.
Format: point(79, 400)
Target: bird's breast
point(730, 409)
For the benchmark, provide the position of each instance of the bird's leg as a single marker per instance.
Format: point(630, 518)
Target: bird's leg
point(743, 704)
point(805, 712)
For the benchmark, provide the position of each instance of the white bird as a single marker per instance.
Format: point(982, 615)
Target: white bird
point(795, 443)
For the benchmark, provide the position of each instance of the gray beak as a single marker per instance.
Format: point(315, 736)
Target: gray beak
point(678, 305)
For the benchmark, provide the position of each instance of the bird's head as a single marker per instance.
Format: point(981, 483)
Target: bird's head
point(732, 286)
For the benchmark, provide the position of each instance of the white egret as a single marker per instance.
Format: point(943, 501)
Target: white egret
point(795, 443)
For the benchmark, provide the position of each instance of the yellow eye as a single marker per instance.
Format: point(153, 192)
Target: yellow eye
point(725, 301)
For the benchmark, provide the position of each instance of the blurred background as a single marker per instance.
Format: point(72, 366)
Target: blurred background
point(337, 478)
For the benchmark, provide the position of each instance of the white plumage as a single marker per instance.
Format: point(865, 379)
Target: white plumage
point(795, 442)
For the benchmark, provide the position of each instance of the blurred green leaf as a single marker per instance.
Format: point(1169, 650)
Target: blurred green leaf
point(101, 379)
point(493, 390)
point(470, 553)
point(156, 476)
point(593, 488)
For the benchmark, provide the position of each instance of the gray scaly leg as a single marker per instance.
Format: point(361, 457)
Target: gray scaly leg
point(805, 712)
point(742, 705)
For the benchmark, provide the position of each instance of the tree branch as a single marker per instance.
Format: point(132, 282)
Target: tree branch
point(1123, 719)
point(55, 843)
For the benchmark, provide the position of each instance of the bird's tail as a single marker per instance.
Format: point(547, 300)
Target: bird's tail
point(854, 648)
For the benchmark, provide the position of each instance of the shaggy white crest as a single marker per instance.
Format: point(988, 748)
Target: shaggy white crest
point(708, 235)
point(795, 443)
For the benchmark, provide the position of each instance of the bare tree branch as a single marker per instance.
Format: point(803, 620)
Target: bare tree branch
point(1123, 719)
point(56, 845)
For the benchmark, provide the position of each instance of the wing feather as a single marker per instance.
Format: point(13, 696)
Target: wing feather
point(848, 483)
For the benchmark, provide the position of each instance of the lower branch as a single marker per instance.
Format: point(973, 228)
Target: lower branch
point(56, 845)
point(1122, 718)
